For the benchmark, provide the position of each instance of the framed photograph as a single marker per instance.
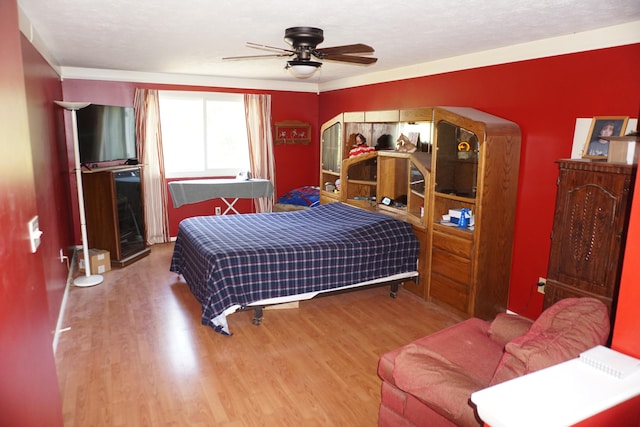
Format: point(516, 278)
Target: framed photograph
point(292, 132)
point(597, 147)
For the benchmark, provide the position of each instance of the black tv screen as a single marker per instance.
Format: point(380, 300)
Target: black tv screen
point(106, 133)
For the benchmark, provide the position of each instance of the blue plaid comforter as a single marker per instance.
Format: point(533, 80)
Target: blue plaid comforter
point(235, 260)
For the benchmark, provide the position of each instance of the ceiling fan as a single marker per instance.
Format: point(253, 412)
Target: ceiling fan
point(304, 42)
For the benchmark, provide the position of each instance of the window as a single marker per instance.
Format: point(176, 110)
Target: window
point(203, 134)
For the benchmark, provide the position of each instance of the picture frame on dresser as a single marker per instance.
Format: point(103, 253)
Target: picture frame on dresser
point(596, 146)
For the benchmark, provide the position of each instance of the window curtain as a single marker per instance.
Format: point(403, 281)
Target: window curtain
point(154, 187)
point(258, 115)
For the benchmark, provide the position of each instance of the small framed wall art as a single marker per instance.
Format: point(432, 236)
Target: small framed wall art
point(292, 132)
point(602, 127)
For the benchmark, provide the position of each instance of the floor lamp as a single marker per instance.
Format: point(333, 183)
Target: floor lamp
point(88, 279)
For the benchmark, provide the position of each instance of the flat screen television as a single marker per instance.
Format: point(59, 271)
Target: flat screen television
point(106, 133)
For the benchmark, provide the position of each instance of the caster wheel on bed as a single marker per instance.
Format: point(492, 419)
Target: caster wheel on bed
point(393, 293)
point(257, 315)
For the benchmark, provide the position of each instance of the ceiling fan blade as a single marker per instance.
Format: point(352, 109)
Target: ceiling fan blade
point(265, 47)
point(349, 48)
point(304, 40)
point(350, 58)
point(274, 55)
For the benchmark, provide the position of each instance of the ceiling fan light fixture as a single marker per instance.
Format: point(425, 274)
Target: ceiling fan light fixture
point(304, 42)
point(303, 69)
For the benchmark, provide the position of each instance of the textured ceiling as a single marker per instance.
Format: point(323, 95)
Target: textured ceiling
point(191, 36)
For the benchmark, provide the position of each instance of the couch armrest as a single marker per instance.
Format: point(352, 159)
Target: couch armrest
point(433, 379)
point(506, 327)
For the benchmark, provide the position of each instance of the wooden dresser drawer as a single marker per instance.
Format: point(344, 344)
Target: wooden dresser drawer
point(451, 266)
point(453, 294)
point(452, 244)
point(451, 275)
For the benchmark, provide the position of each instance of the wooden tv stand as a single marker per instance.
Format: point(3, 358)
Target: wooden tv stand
point(114, 213)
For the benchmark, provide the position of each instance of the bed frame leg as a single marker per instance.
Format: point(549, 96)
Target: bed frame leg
point(257, 315)
point(394, 290)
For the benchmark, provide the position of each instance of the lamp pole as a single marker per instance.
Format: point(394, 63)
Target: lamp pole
point(88, 279)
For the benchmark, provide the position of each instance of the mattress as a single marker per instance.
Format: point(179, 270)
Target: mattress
point(233, 261)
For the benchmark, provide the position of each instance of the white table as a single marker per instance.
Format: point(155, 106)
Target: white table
point(561, 395)
point(198, 190)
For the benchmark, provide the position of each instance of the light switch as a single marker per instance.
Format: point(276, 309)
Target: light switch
point(34, 234)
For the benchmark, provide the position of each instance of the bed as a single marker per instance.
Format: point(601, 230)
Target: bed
point(304, 197)
point(236, 262)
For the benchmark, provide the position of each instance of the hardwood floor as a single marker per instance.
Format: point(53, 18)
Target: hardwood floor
point(136, 354)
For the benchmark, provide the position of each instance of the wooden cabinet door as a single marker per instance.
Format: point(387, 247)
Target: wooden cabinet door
point(331, 154)
point(589, 227)
point(101, 212)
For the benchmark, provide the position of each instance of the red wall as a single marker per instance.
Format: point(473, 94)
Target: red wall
point(544, 97)
point(296, 165)
point(29, 393)
point(626, 414)
point(626, 334)
point(50, 172)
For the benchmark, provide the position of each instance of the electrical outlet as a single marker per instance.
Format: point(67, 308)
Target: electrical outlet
point(218, 210)
point(541, 284)
point(34, 234)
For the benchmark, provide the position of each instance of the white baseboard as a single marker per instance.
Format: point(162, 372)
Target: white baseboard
point(63, 304)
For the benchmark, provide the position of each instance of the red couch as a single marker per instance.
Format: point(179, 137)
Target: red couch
point(429, 381)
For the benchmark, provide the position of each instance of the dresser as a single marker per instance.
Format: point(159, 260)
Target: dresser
point(589, 230)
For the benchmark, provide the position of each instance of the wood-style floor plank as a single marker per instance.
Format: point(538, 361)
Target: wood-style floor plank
point(136, 354)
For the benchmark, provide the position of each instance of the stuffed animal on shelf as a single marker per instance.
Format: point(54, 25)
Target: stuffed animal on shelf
point(360, 146)
point(404, 144)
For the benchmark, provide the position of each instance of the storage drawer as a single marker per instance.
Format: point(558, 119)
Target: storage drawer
point(451, 266)
point(452, 244)
point(449, 292)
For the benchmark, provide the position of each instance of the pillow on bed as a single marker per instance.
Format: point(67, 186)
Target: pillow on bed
point(302, 196)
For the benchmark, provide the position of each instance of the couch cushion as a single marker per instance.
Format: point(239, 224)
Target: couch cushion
point(505, 327)
point(562, 332)
point(465, 344)
point(438, 382)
